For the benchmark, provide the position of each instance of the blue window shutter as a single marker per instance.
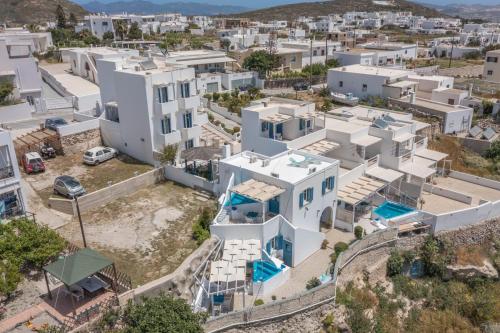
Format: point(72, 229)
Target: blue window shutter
point(163, 126)
point(333, 182)
point(301, 200)
point(323, 187)
point(301, 124)
point(311, 195)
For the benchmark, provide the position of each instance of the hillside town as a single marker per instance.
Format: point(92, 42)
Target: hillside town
point(174, 173)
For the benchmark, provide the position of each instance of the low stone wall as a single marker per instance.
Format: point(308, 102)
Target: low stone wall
point(107, 194)
point(474, 234)
point(80, 142)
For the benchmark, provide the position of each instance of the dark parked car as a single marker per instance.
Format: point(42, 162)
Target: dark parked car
point(54, 123)
point(301, 86)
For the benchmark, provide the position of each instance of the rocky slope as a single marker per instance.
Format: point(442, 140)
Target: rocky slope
point(35, 11)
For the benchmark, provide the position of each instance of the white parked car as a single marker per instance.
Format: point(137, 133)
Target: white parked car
point(97, 155)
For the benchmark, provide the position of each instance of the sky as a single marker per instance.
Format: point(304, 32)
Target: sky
point(268, 3)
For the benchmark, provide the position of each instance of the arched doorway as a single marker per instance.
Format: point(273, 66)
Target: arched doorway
point(326, 219)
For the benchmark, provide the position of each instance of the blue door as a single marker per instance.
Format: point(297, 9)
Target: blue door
point(279, 129)
point(274, 205)
point(271, 130)
point(287, 253)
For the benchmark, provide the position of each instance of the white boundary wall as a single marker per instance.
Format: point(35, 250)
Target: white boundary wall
point(447, 193)
point(178, 175)
point(78, 127)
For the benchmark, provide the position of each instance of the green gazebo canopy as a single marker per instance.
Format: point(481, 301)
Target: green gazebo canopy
point(77, 266)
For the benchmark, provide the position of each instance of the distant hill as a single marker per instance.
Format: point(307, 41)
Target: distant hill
point(469, 11)
point(146, 7)
point(35, 11)
point(293, 11)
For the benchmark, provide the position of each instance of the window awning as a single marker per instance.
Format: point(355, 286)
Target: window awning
point(257, 190)
point(276, 118)
point(366, 140)
point(431, 154)
point(387, 175)
point(77, 266)
point(404, 137)
point(320, 147)
point(417, 170)
point(358, 190)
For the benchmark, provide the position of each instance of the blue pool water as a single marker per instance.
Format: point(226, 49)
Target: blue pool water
point(238, 199)
point(264, 270)
point(389, 210)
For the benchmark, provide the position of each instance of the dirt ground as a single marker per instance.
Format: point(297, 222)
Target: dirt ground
point(148, 233)
point(91, 177)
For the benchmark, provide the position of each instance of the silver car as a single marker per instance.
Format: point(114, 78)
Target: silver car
point(68, 186)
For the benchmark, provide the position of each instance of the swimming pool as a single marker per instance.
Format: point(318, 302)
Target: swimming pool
point(389, 210)
point(264, 270)
point(238, 199)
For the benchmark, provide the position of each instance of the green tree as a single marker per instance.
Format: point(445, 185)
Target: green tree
point(313, 283)
point(134, 32)
point(120, 28)
point(340, 247)
point(492, 153)
point(225, 44)
point(163, 313)
point(6, 89)
point(72, 20)
point(171, 40)
point(260, 61)
point(9, 277)
point(60, 17)
point(359, 232)
point(108, 35)
point(169, 153)
point(395, 263)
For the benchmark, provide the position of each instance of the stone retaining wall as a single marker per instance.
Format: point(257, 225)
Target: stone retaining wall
point(80, 142)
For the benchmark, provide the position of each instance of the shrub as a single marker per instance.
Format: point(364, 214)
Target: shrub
point(409, 287)
point(215, 96)
point(208, 96)
point(210, 117)
point(359, 232)
point(328, 321)
point(225, 96)
point(324, 244)
point(258, 302)
point(395, 263)
point(273, 297)
point(313, 283)
point(6, 89)
point(236, 129)
point(333, 258)
point(340, 247)
point(169, 153)
point(202, 226)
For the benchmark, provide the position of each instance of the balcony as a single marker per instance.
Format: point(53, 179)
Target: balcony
point(191, 132)
point(171, 138)
point(167, 108)
point(187, 103)
point(6, 172)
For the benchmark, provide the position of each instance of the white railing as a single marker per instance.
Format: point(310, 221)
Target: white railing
point(372, 161)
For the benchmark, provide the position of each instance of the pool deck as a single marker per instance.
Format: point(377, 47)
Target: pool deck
point(475, 191)
point(437, 204)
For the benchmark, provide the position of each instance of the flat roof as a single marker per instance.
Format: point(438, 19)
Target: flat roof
point(371, 70)
point(291, 166)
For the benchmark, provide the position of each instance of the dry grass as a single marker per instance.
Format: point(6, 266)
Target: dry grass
point(463, 160)
point(470, 255)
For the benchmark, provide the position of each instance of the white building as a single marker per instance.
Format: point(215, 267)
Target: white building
point(83, 60)
point(41, 42)
point(363, 81)
point(20, 67)
point(149, 104)
point(491, 71)
point(317, 52)
point(98, 25)
point(282, 200)
point(12, 199)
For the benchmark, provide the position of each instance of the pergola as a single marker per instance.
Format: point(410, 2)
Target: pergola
point(76, 267)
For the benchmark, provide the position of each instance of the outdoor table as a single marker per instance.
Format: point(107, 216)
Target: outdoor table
point(91, 284)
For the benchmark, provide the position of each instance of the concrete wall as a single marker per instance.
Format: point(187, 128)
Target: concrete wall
point(222, 111)
point(78, 127)
point(12, 113)
point(178, 175)
point(103, 196)
point(475, 179)
point(447, 193)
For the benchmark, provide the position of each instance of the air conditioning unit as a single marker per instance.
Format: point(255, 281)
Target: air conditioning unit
point(266, 162)
point(253, 159)
point(312, 170)
point(275, 175)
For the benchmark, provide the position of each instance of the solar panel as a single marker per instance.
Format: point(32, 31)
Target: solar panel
point(148, 64)
point(380, 123)
point(489, 133)
point(475, 131)
point(388, 118)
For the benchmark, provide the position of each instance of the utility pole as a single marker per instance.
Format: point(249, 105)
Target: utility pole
point(326, 49)
point(81, 223)
point(310, 64)
point(451, 55)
